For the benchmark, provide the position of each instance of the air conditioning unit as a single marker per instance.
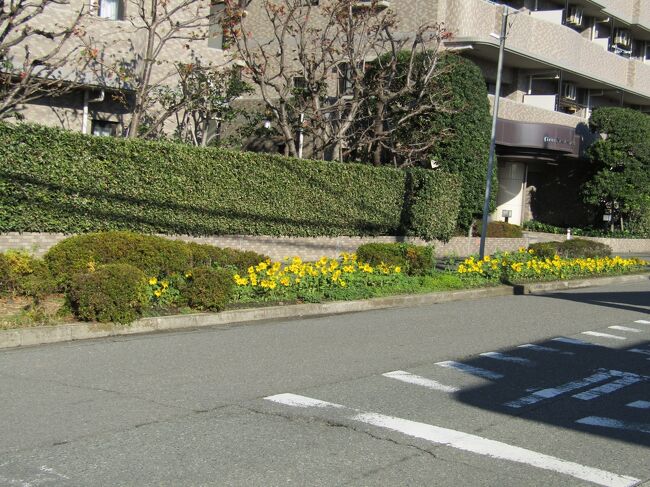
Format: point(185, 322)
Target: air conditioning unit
point(569, 91)
point(574, 16)
point(622, 38)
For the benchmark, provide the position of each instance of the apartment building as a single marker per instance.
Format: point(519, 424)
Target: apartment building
point(562, 60)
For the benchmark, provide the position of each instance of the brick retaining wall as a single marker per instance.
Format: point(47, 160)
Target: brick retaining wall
point(316, 247)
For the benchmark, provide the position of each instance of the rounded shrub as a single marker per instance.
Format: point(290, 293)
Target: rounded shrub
point(416, 260)
point(36, 284)
point(148, 253)
point(5, 275)
point(153, 255)
point(545, 250)
point(209, 255)
point(571, 249)
point(501, 230)
point(581, 248)
point(22, 274)
point(209, 288)
point(113, 292)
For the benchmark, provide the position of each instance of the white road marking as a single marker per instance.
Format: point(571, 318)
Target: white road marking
point(603, 335)
point(551, 392)
point(574, 341)
point(301, 401)
point(614, 423)
point(469, 369)
point(627, 380)
point(639, 350)
point(469, 443)
point(420, 381)
point(540, 348)
point(643, 322)
point(625, 328)
point(507, 358)
point(639, 404)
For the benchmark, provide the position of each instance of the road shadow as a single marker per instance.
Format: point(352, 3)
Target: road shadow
point(637, 301)
point(573, 385)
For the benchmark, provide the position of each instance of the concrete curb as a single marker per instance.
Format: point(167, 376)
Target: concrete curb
point(544, 287)
point(40, 335)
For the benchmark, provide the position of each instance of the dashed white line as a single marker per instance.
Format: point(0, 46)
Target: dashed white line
point(540, 348)
point(551, 392)
point(639, 405)
point(469, 369)
point(625, 328)
point(574, 341)
point(627, 380)
point(603, 335)
point(507, 358)
point(639, 350)
point(614, 423)
point(420, 381)
point(643, 322)
point(469, 443)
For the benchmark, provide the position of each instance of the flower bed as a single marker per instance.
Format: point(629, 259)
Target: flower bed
point(525, 265)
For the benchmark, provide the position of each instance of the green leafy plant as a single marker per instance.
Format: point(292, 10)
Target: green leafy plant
point(501, 230)
point(112, 293)
point(209, 288)
point(415, 260)
point(155, 256)
point(57, 181)
point(22, 274)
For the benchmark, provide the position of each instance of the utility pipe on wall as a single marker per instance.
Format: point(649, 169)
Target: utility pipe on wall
point(87, 101)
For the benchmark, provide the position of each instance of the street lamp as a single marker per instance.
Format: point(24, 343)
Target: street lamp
point(493, 140)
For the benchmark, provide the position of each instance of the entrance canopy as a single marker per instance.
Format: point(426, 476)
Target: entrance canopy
point(542, 138)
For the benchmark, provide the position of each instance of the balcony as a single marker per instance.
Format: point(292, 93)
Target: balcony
point(536, 42)
point(528, 112)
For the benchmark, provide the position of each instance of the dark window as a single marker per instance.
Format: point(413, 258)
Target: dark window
point(104, 128)
point(345, 79)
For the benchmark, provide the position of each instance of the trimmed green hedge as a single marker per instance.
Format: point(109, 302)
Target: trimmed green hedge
point(57, 181)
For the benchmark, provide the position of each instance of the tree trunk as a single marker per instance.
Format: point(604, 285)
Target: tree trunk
point(379, 133)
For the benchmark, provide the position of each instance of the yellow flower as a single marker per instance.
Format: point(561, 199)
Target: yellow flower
point(261, 266)
point(165, 284)
point(157, 293)
point(188, 274)
point(398, 269)
point(285, 281)
point(153, 281)
point(342, 283)
point(91, 266)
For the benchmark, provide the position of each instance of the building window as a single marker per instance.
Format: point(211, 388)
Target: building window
point(215, 36)
point(104, 128)
point(345, 75)
point(111, 9)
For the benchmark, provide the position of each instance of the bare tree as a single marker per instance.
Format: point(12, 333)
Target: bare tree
point(163, 34)
point(201, 101)
point(402, 90)
point(310, 70)
point(37, 57)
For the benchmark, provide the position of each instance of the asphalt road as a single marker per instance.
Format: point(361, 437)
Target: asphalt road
point(457, 394)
